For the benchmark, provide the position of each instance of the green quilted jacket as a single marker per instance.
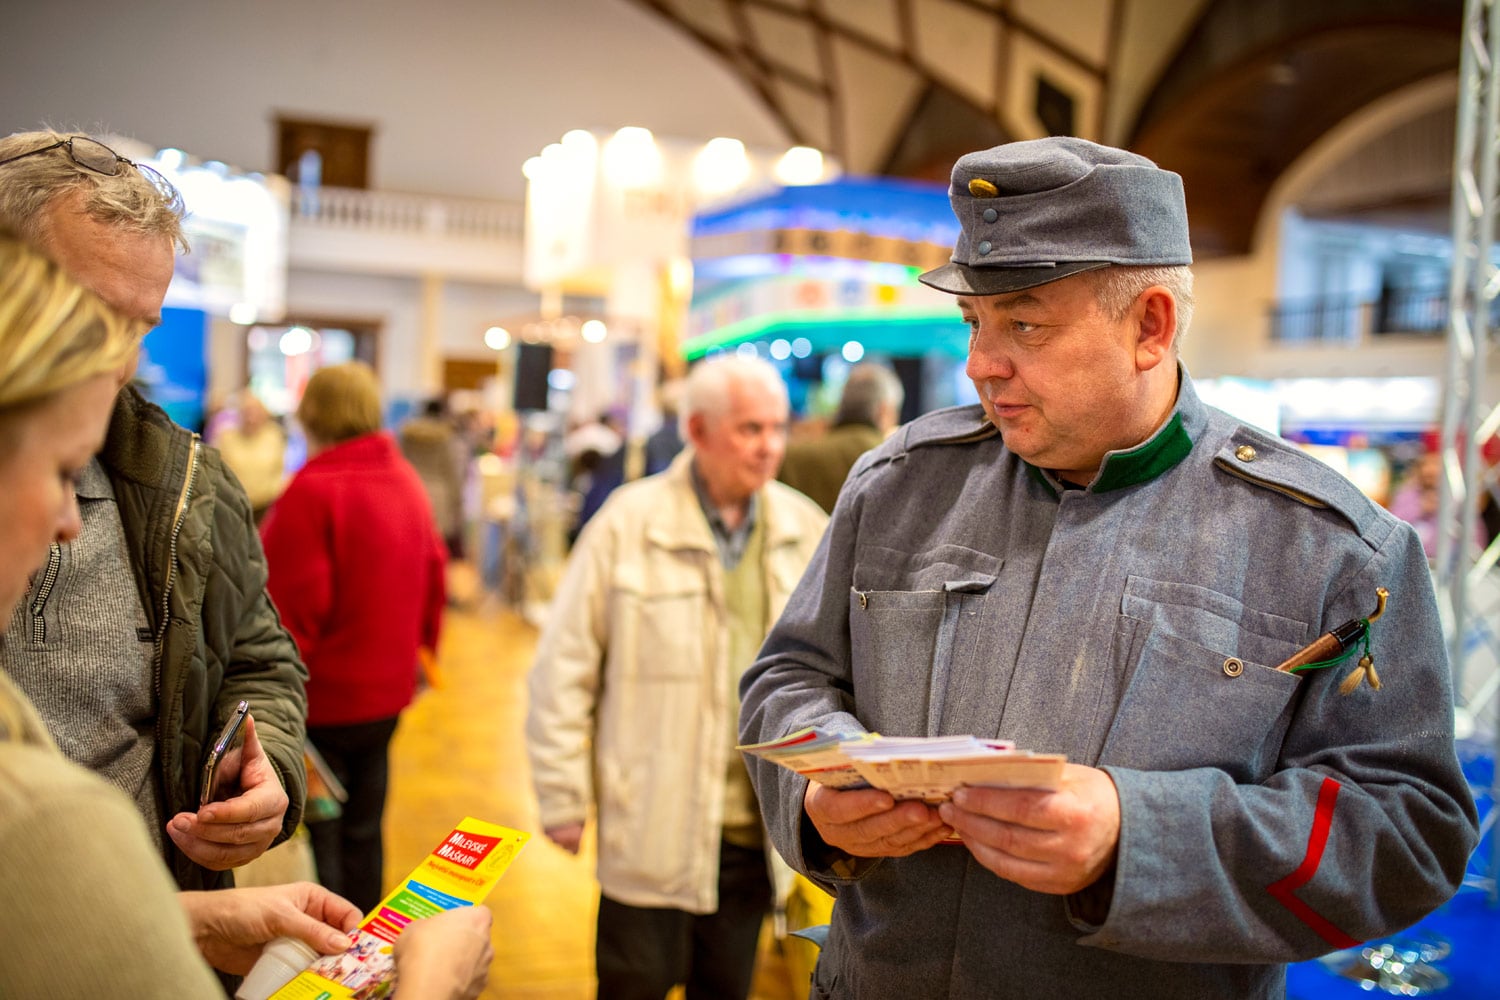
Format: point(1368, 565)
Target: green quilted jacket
point(202, 577)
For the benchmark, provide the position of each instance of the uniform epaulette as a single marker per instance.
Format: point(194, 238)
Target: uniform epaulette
point(951, 425)
point(1277, 465)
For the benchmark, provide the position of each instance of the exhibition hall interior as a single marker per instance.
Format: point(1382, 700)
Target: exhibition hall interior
point(534, 219)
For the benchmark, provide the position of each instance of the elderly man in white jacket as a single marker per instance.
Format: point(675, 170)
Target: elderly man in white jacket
point(634, 695)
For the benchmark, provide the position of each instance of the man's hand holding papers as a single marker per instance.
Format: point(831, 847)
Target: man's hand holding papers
point(1030, 818)
point(1060, 841)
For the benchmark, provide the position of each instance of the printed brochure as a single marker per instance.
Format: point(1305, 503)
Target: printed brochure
point(460, 871)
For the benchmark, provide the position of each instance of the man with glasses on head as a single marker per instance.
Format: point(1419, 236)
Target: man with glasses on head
point(142, 634)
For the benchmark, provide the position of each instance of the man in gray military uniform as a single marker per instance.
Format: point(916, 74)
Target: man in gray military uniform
point(1093, 562)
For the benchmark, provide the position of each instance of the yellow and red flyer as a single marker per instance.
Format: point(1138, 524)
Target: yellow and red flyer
point(460, 871)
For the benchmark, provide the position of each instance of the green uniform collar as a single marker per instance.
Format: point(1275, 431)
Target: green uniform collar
point(1161, 451)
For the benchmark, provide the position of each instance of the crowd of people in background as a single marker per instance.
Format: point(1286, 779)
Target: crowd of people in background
point(599, 455)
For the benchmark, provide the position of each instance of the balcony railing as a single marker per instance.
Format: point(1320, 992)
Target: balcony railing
point(1328, 319)
point(1347, 319)
point(381, 232)
point(393, 213)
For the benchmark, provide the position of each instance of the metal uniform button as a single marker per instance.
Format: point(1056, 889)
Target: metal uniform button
point(984, 246)
point(1233, 667)
point(1245, 453)
point(990, 215)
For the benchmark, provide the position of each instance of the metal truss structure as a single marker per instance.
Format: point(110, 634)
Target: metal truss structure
point(1468, 584)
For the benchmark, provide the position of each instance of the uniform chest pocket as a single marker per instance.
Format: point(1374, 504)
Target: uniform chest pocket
point(1199, 688)
point(661, 621)
point(914, 619)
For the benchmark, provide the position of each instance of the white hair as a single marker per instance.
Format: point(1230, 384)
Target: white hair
point(1116, 288)
point(706, 390)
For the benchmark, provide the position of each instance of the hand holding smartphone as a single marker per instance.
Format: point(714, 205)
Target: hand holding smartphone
point(221, 768)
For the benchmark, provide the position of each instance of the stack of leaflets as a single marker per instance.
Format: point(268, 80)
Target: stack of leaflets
point(930, 768)
point(817, 754)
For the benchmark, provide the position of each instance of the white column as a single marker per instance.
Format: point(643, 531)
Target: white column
point(430, 364)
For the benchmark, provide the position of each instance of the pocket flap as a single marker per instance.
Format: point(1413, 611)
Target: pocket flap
point(1213, 619)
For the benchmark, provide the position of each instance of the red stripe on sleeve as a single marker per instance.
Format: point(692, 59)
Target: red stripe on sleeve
point(1285, 890)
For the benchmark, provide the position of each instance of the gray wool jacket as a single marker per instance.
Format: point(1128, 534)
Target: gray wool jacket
point(1134, 626)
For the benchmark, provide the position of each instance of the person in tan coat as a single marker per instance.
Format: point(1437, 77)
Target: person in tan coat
point(634, 694)
point(254, 448)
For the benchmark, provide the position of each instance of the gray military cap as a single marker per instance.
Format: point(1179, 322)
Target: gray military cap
point(1036, 211)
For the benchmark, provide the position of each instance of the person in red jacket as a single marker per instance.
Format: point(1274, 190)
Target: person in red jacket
point(356, 571)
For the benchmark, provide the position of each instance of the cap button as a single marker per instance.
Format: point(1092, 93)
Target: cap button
point(990, 215)
point(1245, 453)
point(984, 247)
point(981, 188)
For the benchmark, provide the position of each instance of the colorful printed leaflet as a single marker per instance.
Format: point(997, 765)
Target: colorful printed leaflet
point(460, 871)
point(930, 768)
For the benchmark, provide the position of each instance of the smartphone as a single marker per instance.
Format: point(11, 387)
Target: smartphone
point(221, 769)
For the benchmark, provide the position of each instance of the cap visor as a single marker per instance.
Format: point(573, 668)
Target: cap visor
point(960, 279)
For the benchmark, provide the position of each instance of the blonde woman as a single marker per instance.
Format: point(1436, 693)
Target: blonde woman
point(91, 910)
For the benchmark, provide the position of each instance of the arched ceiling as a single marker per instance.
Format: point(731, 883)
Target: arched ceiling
point(1226, 92)
point(857, 77)
point(1258, 81)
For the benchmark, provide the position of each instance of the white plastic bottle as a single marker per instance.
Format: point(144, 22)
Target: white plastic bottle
point(278, 965)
